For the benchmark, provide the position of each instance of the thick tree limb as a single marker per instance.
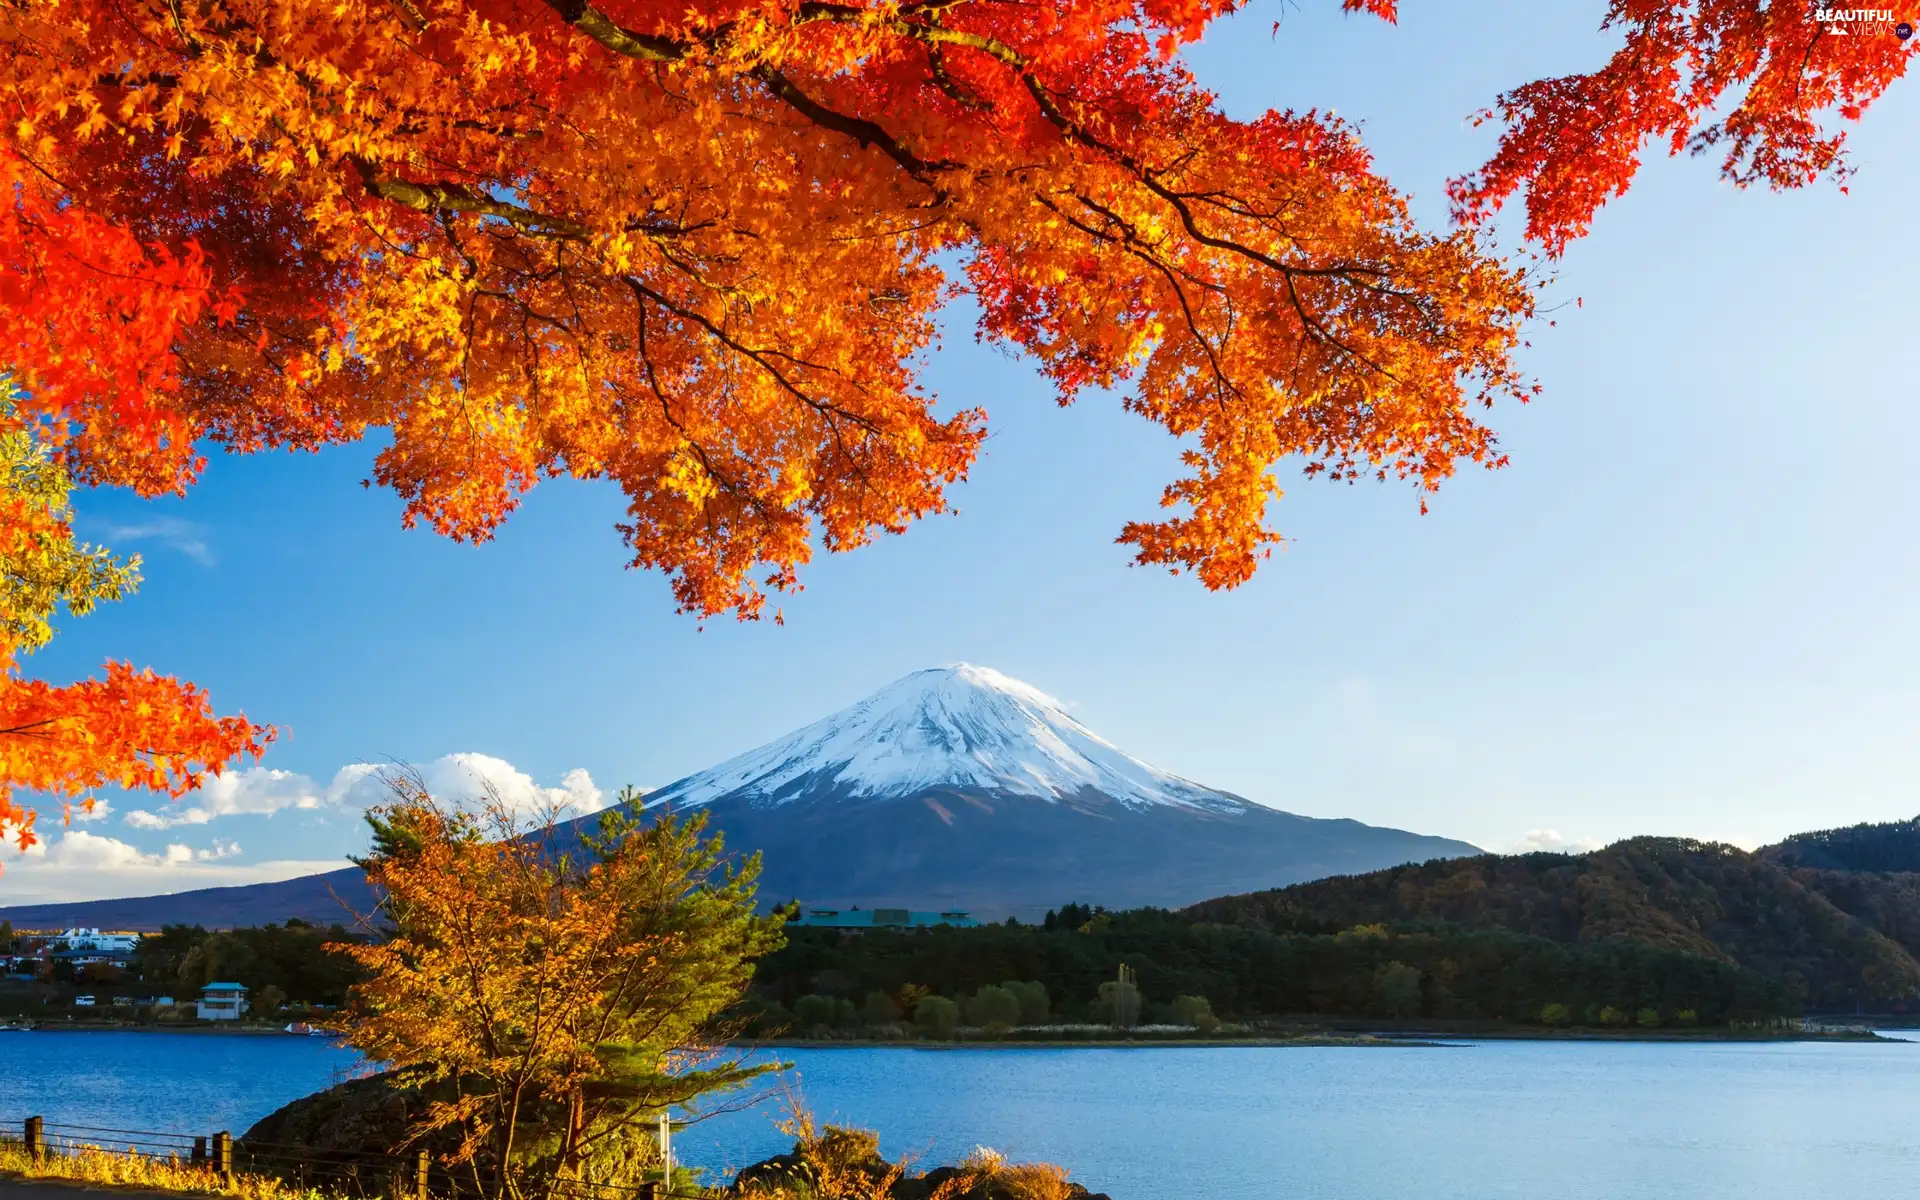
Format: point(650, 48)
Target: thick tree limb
point(454, 197)
point(601, 28)
point(858, 128)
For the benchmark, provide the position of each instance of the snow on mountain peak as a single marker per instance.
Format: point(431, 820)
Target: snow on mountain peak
point(955, 726)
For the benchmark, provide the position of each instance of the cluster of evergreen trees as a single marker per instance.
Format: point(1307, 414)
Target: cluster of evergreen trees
point(1195, 972)
point(1000, 1006)
point(277, 963)
point(1881, 846)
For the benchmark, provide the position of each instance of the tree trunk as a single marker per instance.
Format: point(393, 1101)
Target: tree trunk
point(576, 1134)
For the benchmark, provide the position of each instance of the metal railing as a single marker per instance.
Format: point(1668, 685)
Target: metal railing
point(217, 1162)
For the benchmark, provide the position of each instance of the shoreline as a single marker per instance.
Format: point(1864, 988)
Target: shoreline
point(1320, 1040)
point(1428, 1038)
point(108, 1027)
point(1410, 1037)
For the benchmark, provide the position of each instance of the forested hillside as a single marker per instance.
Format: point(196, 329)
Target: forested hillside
point(826, 978)
point(1892, 846)
point(1871, 872)
point(1831, 938)
point(1651, 932)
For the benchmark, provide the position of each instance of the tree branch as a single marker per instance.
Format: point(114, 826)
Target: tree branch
point(858, 128)
point(624, 42)
point(454, 197)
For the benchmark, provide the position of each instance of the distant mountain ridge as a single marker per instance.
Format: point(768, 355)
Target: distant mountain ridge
point(323, 899)
point(1879, 846)
point(957, 787)
point(1833, 937)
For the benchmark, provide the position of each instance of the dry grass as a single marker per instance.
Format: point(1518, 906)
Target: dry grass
point(846, 1164)
point(1020, 1181)
point(99, 1164)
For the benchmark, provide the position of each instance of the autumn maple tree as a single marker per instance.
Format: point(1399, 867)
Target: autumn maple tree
point(698, 247)
point(549, 994)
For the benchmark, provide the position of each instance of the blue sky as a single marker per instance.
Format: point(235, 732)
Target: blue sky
point(1686, 608)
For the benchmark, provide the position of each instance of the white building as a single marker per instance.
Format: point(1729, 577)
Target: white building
point(222, 1002)
point(93, 939)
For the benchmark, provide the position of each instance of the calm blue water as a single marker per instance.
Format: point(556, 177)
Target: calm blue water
point(1490, 1121)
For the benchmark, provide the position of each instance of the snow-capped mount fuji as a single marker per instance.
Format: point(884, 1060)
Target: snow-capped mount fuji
point(955, 788)
point(960, 787)
point(958, 727)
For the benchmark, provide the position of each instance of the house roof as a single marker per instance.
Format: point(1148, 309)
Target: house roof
point(225, 987)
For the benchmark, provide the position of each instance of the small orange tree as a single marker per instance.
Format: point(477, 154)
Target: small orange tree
point(555, 998)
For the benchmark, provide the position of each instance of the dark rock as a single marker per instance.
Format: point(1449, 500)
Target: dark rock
point(356, 1133)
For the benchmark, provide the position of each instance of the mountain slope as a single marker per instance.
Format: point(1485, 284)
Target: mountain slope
point(959, 787)
point(1869, 871)
point(996, 855)
point(336, 896)
point(1702, 898)
point(954, 788)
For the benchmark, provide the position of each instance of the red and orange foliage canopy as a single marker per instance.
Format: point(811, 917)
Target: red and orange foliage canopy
point(697, 247)
point(131, 729)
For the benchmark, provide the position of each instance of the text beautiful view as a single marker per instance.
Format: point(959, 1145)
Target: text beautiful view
point(1556, 835)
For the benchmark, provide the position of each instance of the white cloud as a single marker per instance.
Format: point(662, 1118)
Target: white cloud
point(74, 814)
point(460, 778)
point(78, 848)
point(466, 778)
point(78, 865)
point(1551, 840)
point(188, 537)
point(254, 790)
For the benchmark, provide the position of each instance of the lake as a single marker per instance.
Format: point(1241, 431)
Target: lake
point(1472, 1121)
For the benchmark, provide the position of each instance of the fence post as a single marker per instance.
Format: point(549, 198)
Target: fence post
point(666, 1152)
point(223, 1156)
point(36, 1140)
point(649, 1190)
point(199, 1153)
point(420, 1175)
